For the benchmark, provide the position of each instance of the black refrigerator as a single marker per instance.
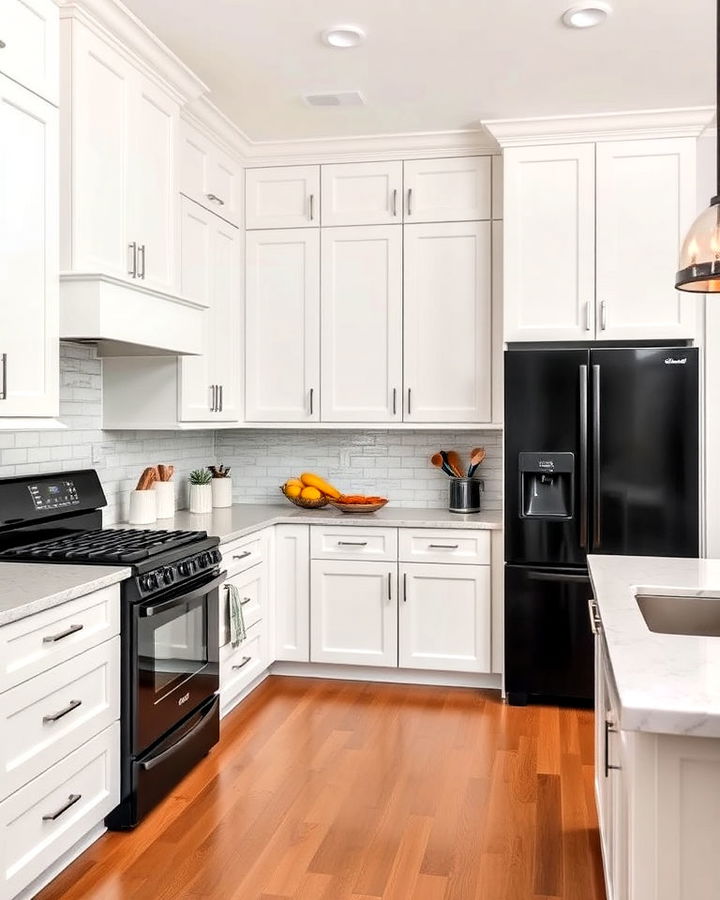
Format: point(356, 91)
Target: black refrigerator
point(601, 456)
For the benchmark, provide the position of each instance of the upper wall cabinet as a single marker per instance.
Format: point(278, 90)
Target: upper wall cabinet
point(208, 175)
point(118, 163)
point(29, 45)
point(282, 197)
point(592, 233)
point(29, 264)
point(362, 193)
point(448, 190)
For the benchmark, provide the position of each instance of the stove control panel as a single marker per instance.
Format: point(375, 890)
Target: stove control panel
point(165, 577)
point(54, 495)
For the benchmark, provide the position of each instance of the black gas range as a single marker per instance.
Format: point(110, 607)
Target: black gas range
point(169, 615)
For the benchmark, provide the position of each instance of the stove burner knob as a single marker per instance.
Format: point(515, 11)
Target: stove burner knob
point(184, 568)
point(168, 576)
point(151, 582)
point(216, 556)
point(144, 583)
point(204, 560)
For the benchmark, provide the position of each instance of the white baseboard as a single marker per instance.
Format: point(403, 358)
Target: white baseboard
point(228, 705)
point(393, 676)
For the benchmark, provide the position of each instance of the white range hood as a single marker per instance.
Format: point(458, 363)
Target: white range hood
point(128, 320)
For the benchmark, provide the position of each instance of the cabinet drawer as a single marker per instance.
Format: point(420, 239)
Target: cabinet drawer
point(444, 546)
point(240, 555)
point(252, 586)
point(49, 716)
point(45, 818)
point(346, 542)
point(29, 30)
point(241, 665)
point(46, 639)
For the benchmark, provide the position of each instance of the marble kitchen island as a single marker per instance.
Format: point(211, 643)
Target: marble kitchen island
point(657, 733)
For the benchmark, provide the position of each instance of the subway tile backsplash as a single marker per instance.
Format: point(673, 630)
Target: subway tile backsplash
point(392, 463)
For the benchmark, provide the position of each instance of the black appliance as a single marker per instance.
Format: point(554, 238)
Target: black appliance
point(169, 632)
point(601, 456)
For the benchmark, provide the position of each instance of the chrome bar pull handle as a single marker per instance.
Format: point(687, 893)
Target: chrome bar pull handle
point(312, 398)
point(394, 401)
point(312, 207)
point(73, 704)
point(588, 318)
point(404, 587)
point(389, 585)
point(215, 199)
point(603, 315)
point(71, 801)
point(141, 254)
point(246, 660)
point(394, 202)
point(597, 519)
point(352, 543)
point(409, 201)
point(3, 365)
point(54, 638)
point(132, 269)
point(409, 401)
point(583, 457)
point(243, 555)
point(220, 402)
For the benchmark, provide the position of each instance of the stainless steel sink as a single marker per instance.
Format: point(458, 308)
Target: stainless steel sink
point(689, 614)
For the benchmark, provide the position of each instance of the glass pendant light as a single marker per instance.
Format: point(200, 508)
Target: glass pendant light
point(699, 268)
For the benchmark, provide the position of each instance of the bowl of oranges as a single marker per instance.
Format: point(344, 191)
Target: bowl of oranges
point(309, 491)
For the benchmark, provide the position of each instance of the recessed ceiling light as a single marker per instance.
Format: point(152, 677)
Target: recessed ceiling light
point(586, 15)
point(343, 36)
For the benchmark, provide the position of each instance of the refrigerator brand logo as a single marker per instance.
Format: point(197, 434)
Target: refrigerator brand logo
point(184, 699)
point(675, 362)
point(546, 464)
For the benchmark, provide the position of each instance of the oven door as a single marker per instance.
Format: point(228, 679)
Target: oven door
point(174, 658)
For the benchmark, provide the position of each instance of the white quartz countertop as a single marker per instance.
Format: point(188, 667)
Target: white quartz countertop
point(666, 683)
point(243, 518)
point(28, 588)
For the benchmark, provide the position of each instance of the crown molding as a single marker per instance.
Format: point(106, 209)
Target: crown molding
point(641, 124)
point(112, 20)
point(215, 125)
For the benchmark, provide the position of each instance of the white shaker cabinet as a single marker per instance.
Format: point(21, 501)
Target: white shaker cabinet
point(353, 612)
point(362, 193)
point(362, 322)
point(208, 175)
point(211, 256)
point(282, 197)
point(447, 319)
point(448, 190)
point(282, 320)
point(29, 266)
point(646, 201)
point(29, 45)
point(444, 617)
point(549, 243)
point(292, 592)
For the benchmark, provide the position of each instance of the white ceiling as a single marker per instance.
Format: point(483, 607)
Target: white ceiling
point(435, 65)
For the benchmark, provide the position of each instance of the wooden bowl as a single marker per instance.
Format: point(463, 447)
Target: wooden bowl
point(357, 507)
point(306, 504)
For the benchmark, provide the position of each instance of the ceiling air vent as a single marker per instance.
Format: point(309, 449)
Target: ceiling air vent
point(340, 98)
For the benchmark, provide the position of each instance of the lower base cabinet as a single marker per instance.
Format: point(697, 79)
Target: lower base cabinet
point(353, 612)
point(445, 617)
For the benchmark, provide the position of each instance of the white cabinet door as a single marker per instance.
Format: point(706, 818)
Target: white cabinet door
point(282, 321)
point(353, 612)
point(208, 176)
point(646, 197)
point(445, 617)
point(447, 338)
point(95, 156)
point(362, 193)
point(362, 313)
point(282, 197)
point(29, 48)
point(210, 255)
point(448, 190)
point(224, 192)
point(292, 593)
point(152, 185)
point(549, 243)
point(29, 261)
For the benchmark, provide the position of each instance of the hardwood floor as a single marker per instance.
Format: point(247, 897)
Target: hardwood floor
point(325, 790)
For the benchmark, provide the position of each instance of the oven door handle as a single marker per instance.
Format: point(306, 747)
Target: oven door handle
point(146, 611)
point(149, 764)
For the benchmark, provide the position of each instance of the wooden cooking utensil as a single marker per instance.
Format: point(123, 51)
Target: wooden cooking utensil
point(476, 457)
point(437, 460)
point(147, 478)
point(455, 463)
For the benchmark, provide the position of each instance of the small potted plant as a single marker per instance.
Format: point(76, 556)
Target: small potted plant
point(221, 486)
point(200, 491)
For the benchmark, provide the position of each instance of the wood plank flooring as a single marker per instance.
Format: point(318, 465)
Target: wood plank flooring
point(326, 790)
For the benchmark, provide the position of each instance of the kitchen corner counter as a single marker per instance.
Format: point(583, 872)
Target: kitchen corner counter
point(29, 588)
point(243, 518)
point(666, 683)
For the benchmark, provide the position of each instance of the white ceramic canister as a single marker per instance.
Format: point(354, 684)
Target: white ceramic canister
point(221, 492)
point(143, 508)
point(165, 493)
point(200, 498)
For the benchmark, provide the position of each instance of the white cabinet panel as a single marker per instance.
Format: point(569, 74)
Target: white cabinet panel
point(445, 618)
point(645, 202)
point(208, 175)
point(447, 339)
point(29, 50)
point(282, 197)
point(282, 341)
point(292, 593)
point(425, 545)
point(353, 615)
point(226, 318)
point(549, 243)
point(362, 317)
point(29, 266)
point(448, 190)
point(252, 586)
point(362, 193)
point(239, 666)
point(353, 542)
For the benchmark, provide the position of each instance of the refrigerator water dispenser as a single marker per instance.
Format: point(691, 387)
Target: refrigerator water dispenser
point(546, 485)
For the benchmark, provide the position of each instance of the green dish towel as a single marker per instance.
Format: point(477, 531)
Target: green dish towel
point(238, 632)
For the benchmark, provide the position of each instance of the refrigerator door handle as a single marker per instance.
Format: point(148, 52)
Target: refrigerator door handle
point(584, 457)
point(597, 534)
point(559, 576)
